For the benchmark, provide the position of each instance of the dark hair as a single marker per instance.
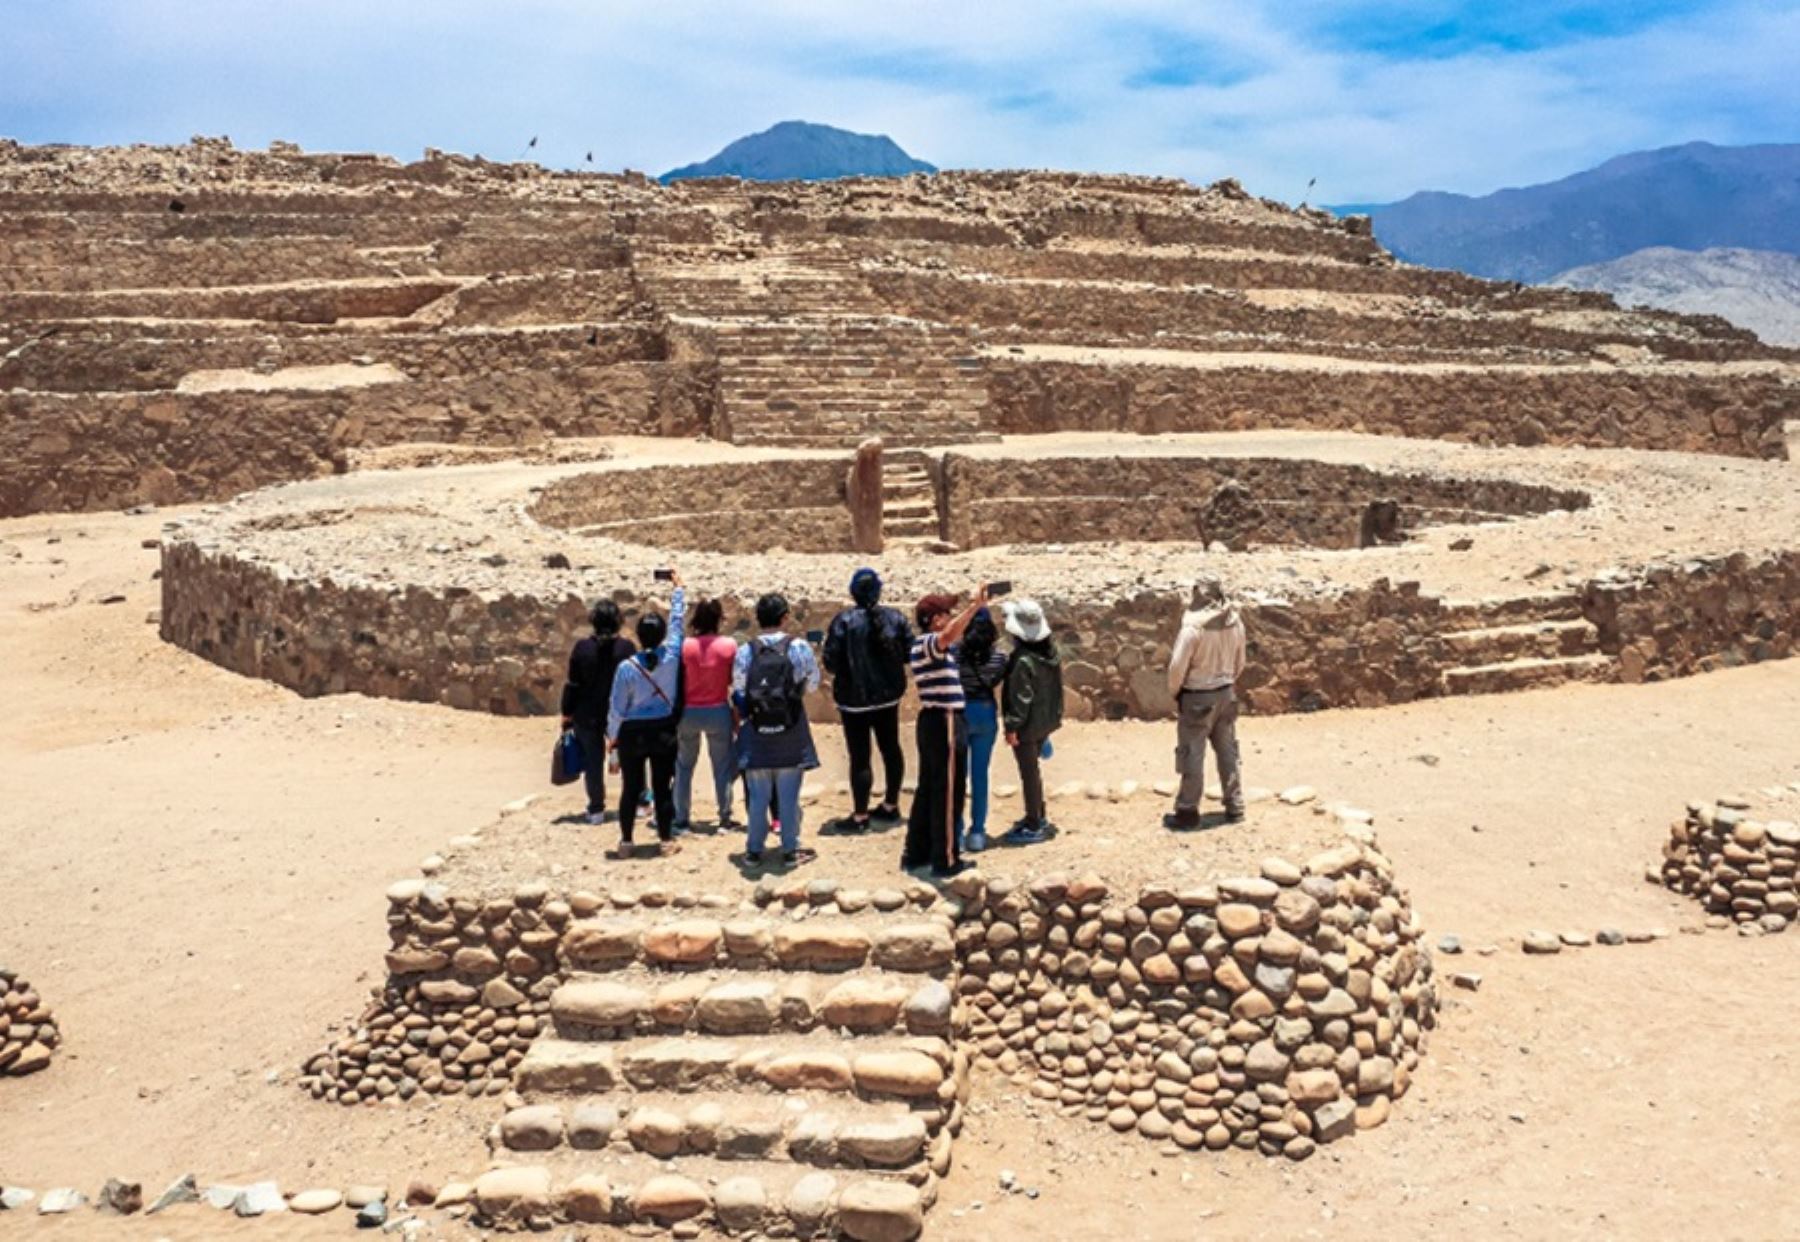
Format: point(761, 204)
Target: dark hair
point(931, 608)
point(771, 610)
point(978, 640)
point(707, 615)
point(604, 617)
point(651, 630)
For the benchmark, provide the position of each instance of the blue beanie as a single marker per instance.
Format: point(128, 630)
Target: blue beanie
point(865, 587)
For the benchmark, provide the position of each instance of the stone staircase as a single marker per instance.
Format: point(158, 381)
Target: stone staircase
point(1531, 641)
point(832, 384)
point(779, 1075)
point(909, 513)
point(769, 288)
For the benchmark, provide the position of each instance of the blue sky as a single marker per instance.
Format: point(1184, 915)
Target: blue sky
point(1374, 98)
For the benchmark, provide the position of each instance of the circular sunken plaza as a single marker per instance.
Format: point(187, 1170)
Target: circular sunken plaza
point(1507, 567)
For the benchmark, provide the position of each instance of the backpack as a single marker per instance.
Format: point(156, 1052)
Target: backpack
point(772, 689)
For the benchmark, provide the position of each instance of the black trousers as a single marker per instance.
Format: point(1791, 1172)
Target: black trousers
point(931, 828)
point(639, 750)
point(1031, 777)
point(593, 749)
point(881, 726)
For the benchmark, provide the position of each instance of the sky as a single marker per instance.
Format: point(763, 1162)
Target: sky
point(1373, 99)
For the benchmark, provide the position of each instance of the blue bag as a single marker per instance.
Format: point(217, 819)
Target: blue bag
point(567, 760)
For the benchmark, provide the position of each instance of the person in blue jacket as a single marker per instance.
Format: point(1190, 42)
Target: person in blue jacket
point(642, 720)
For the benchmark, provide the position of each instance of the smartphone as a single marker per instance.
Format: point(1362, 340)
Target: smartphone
point(996, 589)
point(665, 575)
point(815, 636)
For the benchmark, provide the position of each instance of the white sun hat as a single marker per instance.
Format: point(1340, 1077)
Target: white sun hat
point(1025, 620)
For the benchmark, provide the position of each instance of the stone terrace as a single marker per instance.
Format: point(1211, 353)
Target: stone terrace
point(183, 323)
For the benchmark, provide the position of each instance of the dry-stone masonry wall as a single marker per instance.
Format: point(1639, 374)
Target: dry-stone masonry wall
point(28, 1031)
point(1739, 867)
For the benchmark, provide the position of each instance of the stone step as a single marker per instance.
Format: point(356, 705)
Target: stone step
point(878, 1067)
point(1482, 614)
point(735, 1197)
point(736, 1002)
point(803, 1127)
point(1544, 639)
point(906, 942)
point(1526, 673)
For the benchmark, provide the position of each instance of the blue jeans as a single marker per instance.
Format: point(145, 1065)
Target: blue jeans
point(983, 730)
point(713, 724)
point(786, 783)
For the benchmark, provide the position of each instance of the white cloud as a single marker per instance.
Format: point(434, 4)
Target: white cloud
point(1006, 83)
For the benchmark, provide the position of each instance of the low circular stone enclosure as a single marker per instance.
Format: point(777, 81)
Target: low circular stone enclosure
point(800, 504)
point(467, 585)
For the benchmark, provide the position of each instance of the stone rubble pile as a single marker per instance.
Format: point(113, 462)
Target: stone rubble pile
point(1741, 869)
point(28, 1031)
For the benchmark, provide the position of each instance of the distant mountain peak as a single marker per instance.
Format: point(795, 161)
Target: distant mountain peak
point(804, 151)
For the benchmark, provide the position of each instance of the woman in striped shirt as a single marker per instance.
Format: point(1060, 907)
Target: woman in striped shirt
point(931, 828)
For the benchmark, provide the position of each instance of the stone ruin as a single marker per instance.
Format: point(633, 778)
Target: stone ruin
point(796, 1062)
point(1741, 868)
point(28, 1031)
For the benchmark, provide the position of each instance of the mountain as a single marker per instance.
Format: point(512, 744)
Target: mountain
point(801, 151)
point(1693, 197)
point(1754, 289)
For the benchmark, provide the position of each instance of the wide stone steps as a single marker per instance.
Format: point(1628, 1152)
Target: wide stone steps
point(1523, 674)
point(735, 1002)
point(732, 1197)
point(907, 944)
point(891, 1068)
point(1477, 614)
point(815, 1128)
point(1540, 639)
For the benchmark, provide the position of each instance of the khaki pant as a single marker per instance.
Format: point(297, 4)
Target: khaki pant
point(1208, 717)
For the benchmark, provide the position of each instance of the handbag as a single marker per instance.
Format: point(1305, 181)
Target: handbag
point(567, 759)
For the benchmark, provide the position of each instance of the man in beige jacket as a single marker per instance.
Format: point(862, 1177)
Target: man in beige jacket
point(1208, 659)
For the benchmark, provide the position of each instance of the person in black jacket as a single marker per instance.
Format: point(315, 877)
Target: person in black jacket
point(587, 695)
point(866, 653)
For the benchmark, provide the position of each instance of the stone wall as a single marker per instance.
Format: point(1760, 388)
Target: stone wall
point(1269, 1013)
point(1143, 498)
point(1675, 620)
point(741, 507)
point(1739, 415)
point(28, 1031)
point(1741, 869)
point(76, 452)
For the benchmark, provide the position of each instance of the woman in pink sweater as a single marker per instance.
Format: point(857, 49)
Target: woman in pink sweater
point(706, 659)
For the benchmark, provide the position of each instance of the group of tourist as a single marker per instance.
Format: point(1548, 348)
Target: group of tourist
point(646, 710)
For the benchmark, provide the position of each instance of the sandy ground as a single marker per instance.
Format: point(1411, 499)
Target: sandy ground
point(192, 864)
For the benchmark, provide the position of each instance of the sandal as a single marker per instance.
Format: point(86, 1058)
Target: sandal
point(667, 849)
point(800, 857)
point(621, 853)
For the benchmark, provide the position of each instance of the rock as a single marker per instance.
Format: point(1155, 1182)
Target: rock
point(807, 1070)
point(1611, 936)
point(928, 1010)
point(1238, 920)
point(739, 1007)
point(16, 1198)
point(670, 1198)
point(120, 1197)
point(810, 1200)
point(372, 1215)
point(1298, 795)
point(1541, 942)
point(1450, 944)
point(1576, 939)
point(591, 1126)
point(1466, 980)
point(315, 1202)
point(906, 1073)
point(513, 1194)
point(914, 947)
point(259, 1199)
point(537, 1127)
point(741, 1204)
point(1334, 1121)
point(587, 1200)
point(62, 1199)
point(871, 1211)
point(362, 1195)
point(184, 1189)
point(863, 492)
point(691, 942)
point(823, 944)
point(1313, 1087)
point(864, 1004)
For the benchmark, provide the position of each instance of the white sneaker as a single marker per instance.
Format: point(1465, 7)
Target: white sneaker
point(596, 817)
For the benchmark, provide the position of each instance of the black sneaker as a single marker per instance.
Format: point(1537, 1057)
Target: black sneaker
point(755, 860)
point(886, 811)
point(1027, 834)
point(956, 868)
point(1234, 817)
point(1181, 821)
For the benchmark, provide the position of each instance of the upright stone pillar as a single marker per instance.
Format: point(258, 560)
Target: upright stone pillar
point(864, 494)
